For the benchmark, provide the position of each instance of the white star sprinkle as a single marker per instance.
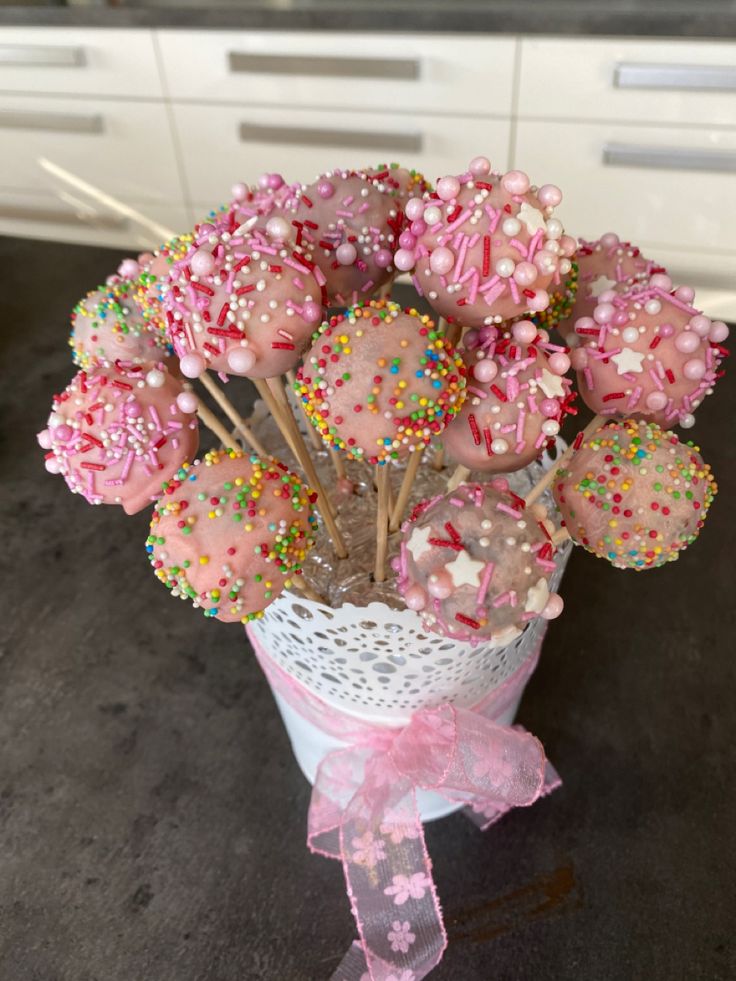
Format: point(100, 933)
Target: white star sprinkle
point(537, 596)
point(600, 285)
point(418, 543)
point(464, 570)
point(551, 384)
point(628, 360)
point(533, 219)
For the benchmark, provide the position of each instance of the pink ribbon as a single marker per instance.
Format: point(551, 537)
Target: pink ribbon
point(364, 811)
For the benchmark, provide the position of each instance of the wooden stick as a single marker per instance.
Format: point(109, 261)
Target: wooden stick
point(460, 475)
point(397, 512)
point(561, 536)
point(546, 481)
point(337, 462)
point(287, 424)
point(438, 461)
point(214, 425)
point(382, 483)
point(384, 292)
point(298, 583)
point(233, 415)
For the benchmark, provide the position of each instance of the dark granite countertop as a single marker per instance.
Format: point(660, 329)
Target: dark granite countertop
point(152, 818)
point(636, 18)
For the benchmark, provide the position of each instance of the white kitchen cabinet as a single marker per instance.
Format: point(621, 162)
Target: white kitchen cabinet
point(78, 61)
point(67, 218)
point(380, 73)
point(117, 148)
point(251, 140)
point(646, 191)
point(646, 80)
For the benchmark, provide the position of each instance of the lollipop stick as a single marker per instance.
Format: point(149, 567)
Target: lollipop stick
point(541, 486)
point(438, 460)
point(289, 429)
point(211, 421)
point(561, 536)
point(297, 582)
point(407, 483)
point(460, 475)
point(233, 415)
point(337, 461)
point(382, 483)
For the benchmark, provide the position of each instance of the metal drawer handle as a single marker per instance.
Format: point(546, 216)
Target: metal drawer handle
point(342, 138)
point(405, 69)
point(669, 158)
point(12, 212)
point(703, 78)
point(57, 122)
point(42, 56)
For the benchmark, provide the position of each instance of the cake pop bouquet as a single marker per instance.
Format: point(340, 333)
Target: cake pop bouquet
point(392, 522)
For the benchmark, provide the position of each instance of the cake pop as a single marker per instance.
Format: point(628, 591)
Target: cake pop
point(648, 352)
point(634, 494)
point(476, 565)
point(244, 304)
point(229, 533)
point(486, 247)
point(349, 224)
point(380, 382)
point(109, 324)
point(116, 433)
point(606, 264)
point(561, 302)
point(517, 396)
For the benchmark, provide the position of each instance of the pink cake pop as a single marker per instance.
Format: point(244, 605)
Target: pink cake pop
point(117, 433)
point(486, 247)
point(648, 352)
point(517, 396)
point(603, 265)
point(349, 224)
point(475, 565)
point(634, 494)
point(109, 324)
point(380, 382)
point(230, 532)
point(244, 304)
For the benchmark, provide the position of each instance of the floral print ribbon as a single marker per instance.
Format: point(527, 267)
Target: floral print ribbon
point(364, 811)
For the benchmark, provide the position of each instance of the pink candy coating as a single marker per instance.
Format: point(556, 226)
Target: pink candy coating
point(116, 438)
point(480, 561)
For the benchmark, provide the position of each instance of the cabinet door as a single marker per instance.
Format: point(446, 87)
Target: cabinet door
point(60, 218)
point(628, 80)
point(79, 61)
point(667, 185)
point(224, 144)
point(88, 147)
point(372, 72)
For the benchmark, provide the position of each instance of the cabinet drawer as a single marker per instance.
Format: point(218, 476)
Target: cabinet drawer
point(657, 81)
point(72, 60)
point(324, 69)
point(121, 148)
point(223, 144)
point(668, 185)
point(60, 218)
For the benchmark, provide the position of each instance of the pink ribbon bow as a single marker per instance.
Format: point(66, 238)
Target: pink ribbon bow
point(364, 813)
